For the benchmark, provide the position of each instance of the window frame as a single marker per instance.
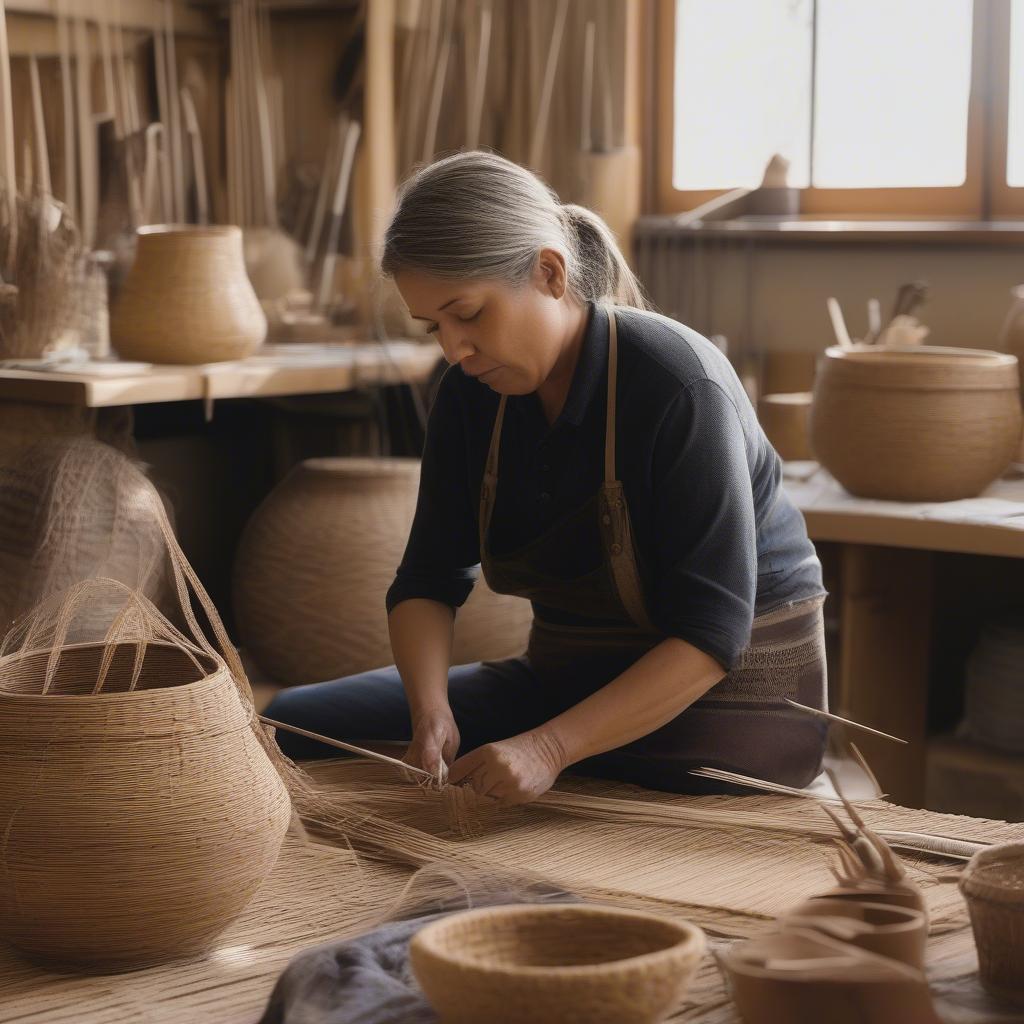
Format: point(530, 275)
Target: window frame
point(984, 193)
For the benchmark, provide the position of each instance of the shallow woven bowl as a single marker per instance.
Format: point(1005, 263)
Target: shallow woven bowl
point(917, 423)
point(555, 965)
point(993, 885)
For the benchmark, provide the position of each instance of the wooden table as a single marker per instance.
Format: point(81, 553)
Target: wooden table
point(886, 601)
point(275, 371)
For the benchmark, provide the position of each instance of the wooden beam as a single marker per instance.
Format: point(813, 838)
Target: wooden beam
point(137, 14)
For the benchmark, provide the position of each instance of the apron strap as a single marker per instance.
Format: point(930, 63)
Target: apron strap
point(609, 427)
point(488, 486)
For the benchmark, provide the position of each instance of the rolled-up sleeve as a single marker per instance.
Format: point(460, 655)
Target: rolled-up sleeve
point(442, 554)
point(705, 573)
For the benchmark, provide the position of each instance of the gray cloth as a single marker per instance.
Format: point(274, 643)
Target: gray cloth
point(368, 980)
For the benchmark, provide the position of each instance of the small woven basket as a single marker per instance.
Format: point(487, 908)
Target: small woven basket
point(993, 885)
point(555, 965)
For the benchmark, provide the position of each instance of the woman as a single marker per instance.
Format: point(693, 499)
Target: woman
point(605, 463)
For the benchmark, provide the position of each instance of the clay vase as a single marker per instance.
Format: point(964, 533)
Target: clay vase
point(187, 298)
point(918, 423)
point(315, 562)
point(137, 822)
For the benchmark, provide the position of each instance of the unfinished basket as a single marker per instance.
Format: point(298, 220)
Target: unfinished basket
point(557, 964)
point(993, 885)
point(918, 423)
point(139, 810)
point(314, 565)
point(187, 298)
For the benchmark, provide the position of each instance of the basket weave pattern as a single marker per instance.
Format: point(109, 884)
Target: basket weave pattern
point(137, 824)
point(563, 964)
point(925, 424)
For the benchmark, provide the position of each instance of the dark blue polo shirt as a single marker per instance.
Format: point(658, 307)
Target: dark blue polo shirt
point(717, 538)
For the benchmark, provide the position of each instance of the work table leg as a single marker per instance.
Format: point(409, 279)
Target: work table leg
point(885, 638)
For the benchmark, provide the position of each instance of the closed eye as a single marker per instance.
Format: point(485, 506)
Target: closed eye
point(468, 319)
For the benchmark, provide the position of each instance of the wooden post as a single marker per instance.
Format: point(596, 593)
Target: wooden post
point(886, 609)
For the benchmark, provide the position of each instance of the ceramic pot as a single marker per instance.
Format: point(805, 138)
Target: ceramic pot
point(187, 298)
point(916, 423)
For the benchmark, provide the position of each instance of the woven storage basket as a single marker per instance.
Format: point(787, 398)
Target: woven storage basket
point(555, 965)
point(785, 420)
point(918, 423)
point(316, 560)
point(138, 821)
point(993, 885)
point(187, 298)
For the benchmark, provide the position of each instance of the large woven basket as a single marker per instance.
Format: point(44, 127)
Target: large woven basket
point(915, 424)
point(564, 964)
point(314, 565)
point(187, 298)
point(993, 885)
point(136, 823)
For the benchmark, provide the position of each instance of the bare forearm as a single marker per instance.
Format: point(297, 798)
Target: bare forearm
point(650, 693)
point(421, 641)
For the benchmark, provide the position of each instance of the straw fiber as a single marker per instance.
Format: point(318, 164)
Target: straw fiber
point(140, 811)
point(915, 424)
point(314, 565)
point(574, 964)
point(187, 298)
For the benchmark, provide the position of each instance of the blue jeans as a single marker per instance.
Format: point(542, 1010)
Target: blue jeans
point(494, 700)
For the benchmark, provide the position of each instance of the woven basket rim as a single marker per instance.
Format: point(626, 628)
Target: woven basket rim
point(690, 940)
point(365, 466)
point(975, 889)
point(212, 678)
point(932, 355)
point(910, 919)
point(788, 399)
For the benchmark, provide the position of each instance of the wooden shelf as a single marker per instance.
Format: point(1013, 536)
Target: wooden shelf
point(143, 14)
point(968, 778)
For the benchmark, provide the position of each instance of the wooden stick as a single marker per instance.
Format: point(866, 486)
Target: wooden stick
point(114, 109)
point(195, 137)
point(587, 105)
point(338, 212)
point(437, 93)
point(39, 127)
point(86, 133)
point(844, 721)
point(476, 103)
point(176, 147)
point(10, 160)
point(351, 748)
point(835, 312)
point(540, 125)
point(316, 228)
point(70, 155)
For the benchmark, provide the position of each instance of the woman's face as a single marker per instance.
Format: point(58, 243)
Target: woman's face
point(508, 336)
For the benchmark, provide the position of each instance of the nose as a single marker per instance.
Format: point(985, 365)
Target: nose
point(454, 349)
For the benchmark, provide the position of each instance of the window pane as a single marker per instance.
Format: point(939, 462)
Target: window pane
point(893, 80)
point(742, 91)
point(1015, 141)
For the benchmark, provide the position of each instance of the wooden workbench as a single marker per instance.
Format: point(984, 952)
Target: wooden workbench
point(275, 371)
point(886, 601)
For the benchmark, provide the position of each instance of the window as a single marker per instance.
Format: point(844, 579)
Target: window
point(886, 107)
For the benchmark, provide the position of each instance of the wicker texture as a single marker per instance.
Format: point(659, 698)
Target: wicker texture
point(993, 885)
point(316, 560)
point(555, 965)
point(915, 424)
point(139, 809)
point(187, 298)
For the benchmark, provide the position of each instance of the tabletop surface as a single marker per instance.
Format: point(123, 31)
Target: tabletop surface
point(990, 524)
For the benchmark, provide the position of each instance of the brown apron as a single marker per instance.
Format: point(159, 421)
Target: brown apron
point(611, 593)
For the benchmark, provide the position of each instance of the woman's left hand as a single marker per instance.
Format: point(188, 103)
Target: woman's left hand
point(512, 771)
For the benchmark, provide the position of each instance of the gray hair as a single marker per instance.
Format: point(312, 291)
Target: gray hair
point(477, 215)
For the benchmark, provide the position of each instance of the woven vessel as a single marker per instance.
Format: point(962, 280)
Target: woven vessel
point(314, 565)
point(993, 885)
point(139, 809)
point(918, 423)
point(187, 298)
point(785, 420)
point(555, 965)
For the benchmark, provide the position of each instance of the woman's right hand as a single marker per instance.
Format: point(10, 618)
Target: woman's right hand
point(435, 740)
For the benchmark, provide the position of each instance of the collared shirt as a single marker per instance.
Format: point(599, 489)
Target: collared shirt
point(717, 538)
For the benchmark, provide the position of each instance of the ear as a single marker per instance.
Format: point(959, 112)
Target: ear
point(550, 273)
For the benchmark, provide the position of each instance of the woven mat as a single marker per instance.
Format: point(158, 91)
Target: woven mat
point(731, 881)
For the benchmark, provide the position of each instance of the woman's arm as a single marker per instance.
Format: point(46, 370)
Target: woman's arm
point(652, 691)
point(421, 641)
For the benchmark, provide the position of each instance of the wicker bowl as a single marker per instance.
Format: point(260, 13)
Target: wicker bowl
point(993, 885)
point(555, 965)
point(916, 423)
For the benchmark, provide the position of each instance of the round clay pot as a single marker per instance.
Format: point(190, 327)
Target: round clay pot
point(916, 423)
point(187, 298)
